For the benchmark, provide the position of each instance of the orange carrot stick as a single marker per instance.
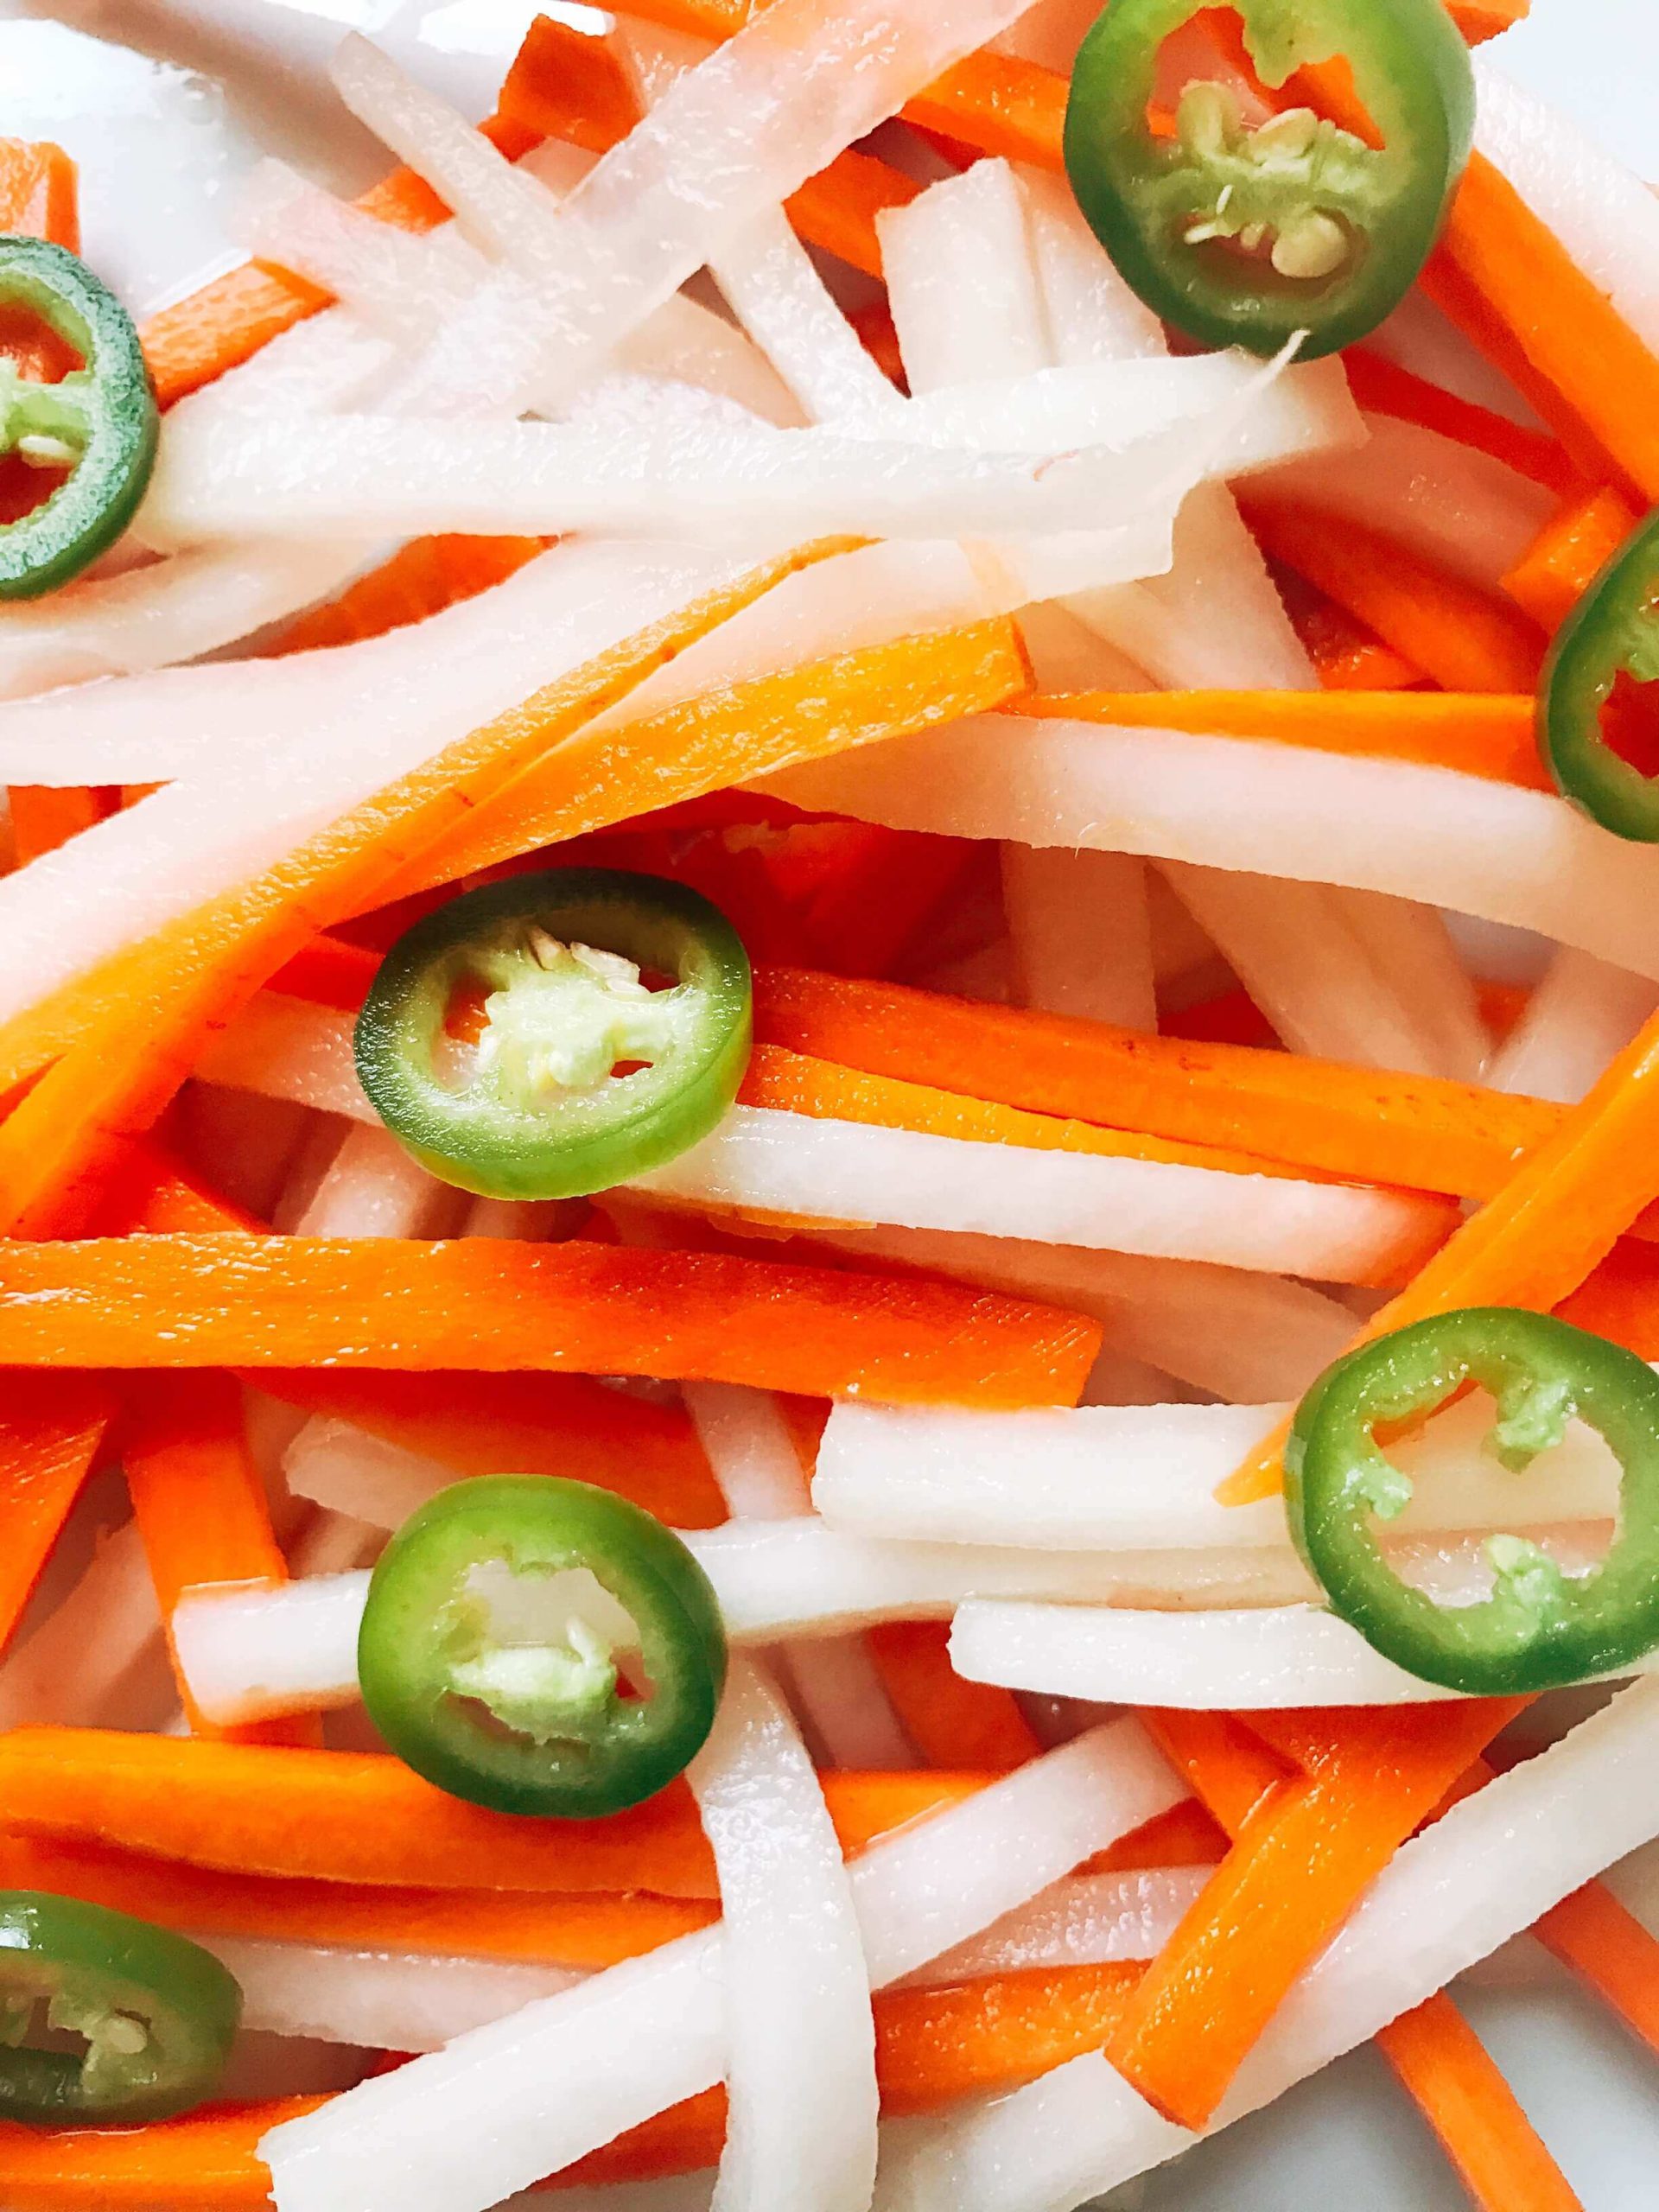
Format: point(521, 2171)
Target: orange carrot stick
point(205, 2162)
point(491, 1306)
point(200, 1506)
point(39, 192)
point(329, 971)
point(584, 1929)
point(139, 1019)
point(1611, 1952)
point(421, 578)
point(1301, 1859)
point(731, 736)
point(1536, 1239)
point(51, 1430)
point(529, 1425)
point(1486, 734)
point(1347, 656)
point(1568, 554)
point(1493, 2147)
point(1421, 1133)
point(339, 1816)
point(46, 816)
point(951, 1722)
point(1384, 388)
point(1224, 1761)
point(1464, 640)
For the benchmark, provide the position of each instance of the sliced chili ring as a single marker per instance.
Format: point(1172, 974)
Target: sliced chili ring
point(581, 1075)
point(1243, 236)
point(1605, 656)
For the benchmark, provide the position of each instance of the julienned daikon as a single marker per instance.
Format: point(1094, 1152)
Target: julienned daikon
point(456, 2130)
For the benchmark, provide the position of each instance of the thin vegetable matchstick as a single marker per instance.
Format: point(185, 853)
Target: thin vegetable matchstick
point(491, 1306)
point(51, 1428)
point(341, 1817)
point(1302, 1858)
point(952, 1723)
point(1382, 387)
point(420, 579)
point(137, 1020)
point(1568, 554)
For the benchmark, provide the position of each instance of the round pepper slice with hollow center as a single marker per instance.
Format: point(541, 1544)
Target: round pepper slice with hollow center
point(155, 2015)
point(513, 1042)
point(541, 1646)
point(1246, 235)
point(1599, 701)
point(100, 421)
point(1540, 1628)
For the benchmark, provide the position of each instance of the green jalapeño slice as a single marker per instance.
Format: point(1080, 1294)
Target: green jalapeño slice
point(1540, 1628)
point(541, 1646)
point(1243, 235)
point(514, 1042)
point(1598, 702)
point(100, 421)
point(155, 2015)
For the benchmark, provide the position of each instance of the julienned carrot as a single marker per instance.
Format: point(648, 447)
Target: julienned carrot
point(1383, 387)
point(1486, 734)
point(330, 971)
point(137, 1021)
point(200, 1504)
point(583, 1929)
point(39, 193)
point(1496, 2152)
point(46, 816)
point(51, 1430)
point(1347, 655)
point(1186, 1835)
point(1464, 640)
point(951, 1722)
point(491, 1307)
point(932, 2047)
point(1421, 1133)
point(1565, 558)
point(1534, 1242)
point(205, 2162)
point(730, 736)
point(421, 578)
point(1301, 1859)
point(558, 89)
point(794, 1084)
point(339, 1816)
point(1611, 1951)
point(1462, 2094)
point(532, 1424)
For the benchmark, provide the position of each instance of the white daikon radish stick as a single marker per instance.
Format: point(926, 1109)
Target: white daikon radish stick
point(1581, 1013)
point(378, 2000)
point(1419, 337)
point(1552, 1823)
point(292, 1049)
point(1087, 1920)
point(126, 876)
point(1081, 934)
point(1503, 854)
point(762, 1160)
point(1241, 1335)
point(1117, 1378)
point(696, 480)
point(1414, 955)
point(800, 2054)
point(455, 2131)
point(252, 1655)
point(1257, 1660)
point(751, 1454)
point(374, 1188)
point(88, 1663)
point(728, 141)
point(1601, 211)
point(1291, 947)
point(1449, 503)
point(337, 1464)
point(1144, 1477)
point(675, 2193)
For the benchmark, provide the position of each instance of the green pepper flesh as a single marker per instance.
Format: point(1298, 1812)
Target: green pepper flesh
point(1614, 632)
point(1540, 1629)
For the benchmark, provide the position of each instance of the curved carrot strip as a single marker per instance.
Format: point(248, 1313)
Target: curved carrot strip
point(361, 1817)
point(1486, 734)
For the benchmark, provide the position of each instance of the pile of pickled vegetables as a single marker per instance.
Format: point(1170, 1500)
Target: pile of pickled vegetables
point(830, 1119)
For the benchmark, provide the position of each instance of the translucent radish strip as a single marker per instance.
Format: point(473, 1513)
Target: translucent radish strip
point(1426, 834)
point(1577, 1017)
point(1088, 1920)
point(376, 1999)
point(1144, 1477)
point(455, 2131)
point(800, 2064)
point(1552, 1823)
point(1081, 934)
point(762, 1160)
point(1259, 1661)
point(96, 1658)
